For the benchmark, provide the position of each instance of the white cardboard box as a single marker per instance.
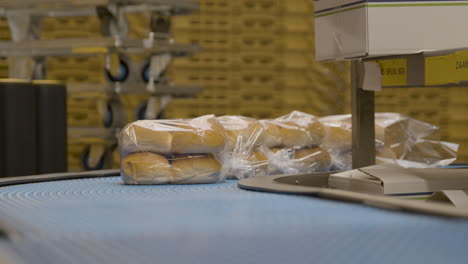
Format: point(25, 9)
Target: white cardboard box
point(391, 179)
point(346, 29)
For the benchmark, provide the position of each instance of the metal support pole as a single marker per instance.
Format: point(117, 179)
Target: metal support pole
point(22, 28)
point(363, 111)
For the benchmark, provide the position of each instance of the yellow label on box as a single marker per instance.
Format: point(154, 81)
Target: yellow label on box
point(89, 50)
point(448, 69)
point(394, 72)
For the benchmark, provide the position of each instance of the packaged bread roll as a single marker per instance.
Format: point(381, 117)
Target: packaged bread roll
point(294, 130)
point(241, 132)
point(432, 153)
point(337, 132)
point(151, 168)
point(146, 168)
point(391, 130)
point(399, 139)
point(199, 135)
point(172, 151)
point(241, 165)
point(241, 156)
point(303, 160)
point(146, 135)
point(195, 169)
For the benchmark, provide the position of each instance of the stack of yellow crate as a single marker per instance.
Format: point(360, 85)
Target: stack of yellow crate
point(70, 27)
point(4, 35)
point(83, 109)
point(257, 60)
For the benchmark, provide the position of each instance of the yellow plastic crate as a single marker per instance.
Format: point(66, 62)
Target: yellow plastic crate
point(427, 95)
point(3, 68)
point(207, 41)
point(250, 97)
point(78, 23)
point(457, 112)
point(183, 112)
point(263, 79)
point(63, 34)
point(250, 59)
point(139, 25)
point(132, 104)
point(274, 61)
point(207, 60)
point(259, 111)
point(455, 130)
point(457, 95)
point(462, 154)
point(287, 42)
point(88, 63)
point(201, 23)
point(173, 112)
point(224, 95)
point(5, 33)
point(200, 77)
point(304, 7)
point(294, 96)
point(296, 78)
point(263, 23)
point(75, 75)
point(84, 119)
point(273, 7)
point(83, 109)
point(274, 24)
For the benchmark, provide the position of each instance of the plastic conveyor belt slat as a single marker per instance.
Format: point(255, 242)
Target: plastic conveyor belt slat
point(100, 220)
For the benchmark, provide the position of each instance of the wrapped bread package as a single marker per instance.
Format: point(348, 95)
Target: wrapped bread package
point(243, 156)
point(172, 151)
point(399, 139)
point(294, 130)
point(293, 143)
point(299, 160)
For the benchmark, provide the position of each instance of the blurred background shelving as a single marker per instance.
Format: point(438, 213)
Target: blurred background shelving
point(257, 60)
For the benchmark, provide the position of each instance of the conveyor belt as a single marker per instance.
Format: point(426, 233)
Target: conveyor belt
point(100, 220)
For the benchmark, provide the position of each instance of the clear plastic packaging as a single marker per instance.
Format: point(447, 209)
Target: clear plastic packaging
point(298, 160)
point(399, 139)
point(243, 156)
point(293, 143)
point(172, 151)
point(294, 130)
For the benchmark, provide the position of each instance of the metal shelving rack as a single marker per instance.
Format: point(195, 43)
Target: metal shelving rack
point(27, 49)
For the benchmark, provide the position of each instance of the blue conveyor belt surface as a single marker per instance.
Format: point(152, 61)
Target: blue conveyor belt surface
point(103, 221)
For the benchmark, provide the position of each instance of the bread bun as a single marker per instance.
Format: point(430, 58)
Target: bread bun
point(146, 168)
point(288, 160)
point(258, 155)
point(338, 132)
point(392, 130)
point(238, 165)
point(385, 152)
point(195, 169)
point(317, 159)
point(294, 130)
point(430, 152)
point(199, 135)
point(145, 135)
point(241, 132)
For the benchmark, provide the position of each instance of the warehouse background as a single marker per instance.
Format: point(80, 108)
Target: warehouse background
point(257, 60)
